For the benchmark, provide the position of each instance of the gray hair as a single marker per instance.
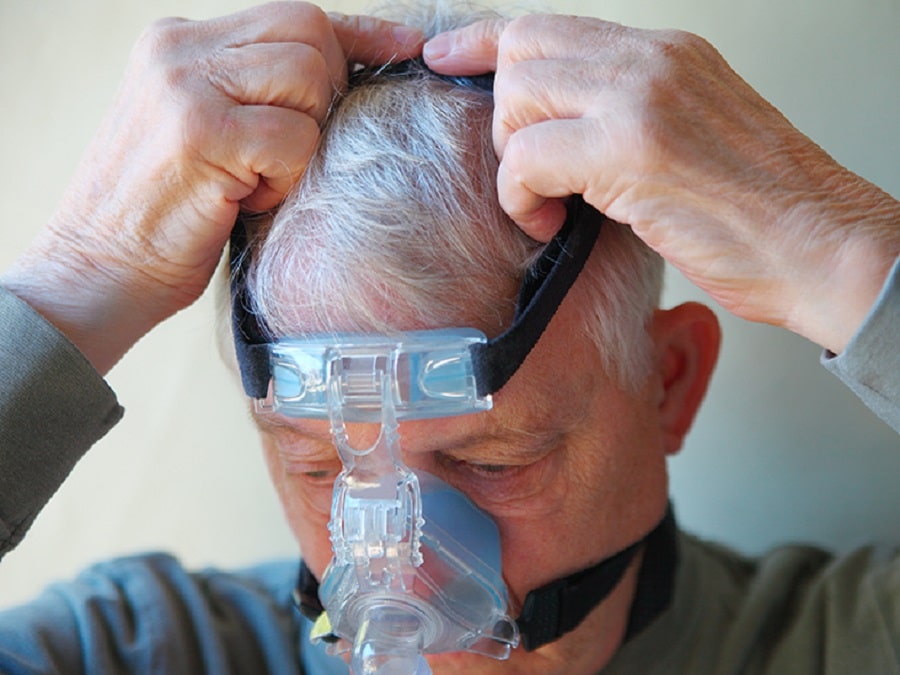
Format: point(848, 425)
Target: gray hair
point(396, 225)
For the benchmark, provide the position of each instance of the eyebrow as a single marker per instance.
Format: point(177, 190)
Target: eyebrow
point(271, 423)
point(506, 442)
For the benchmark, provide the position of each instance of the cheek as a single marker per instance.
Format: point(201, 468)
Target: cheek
point(553, 537)
point(598, 499)
point(306, 508)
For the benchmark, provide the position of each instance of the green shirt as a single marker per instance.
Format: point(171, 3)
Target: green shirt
point(796, 610)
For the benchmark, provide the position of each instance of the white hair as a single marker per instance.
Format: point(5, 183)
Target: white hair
point(396, 225)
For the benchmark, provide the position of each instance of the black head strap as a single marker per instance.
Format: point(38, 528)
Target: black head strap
point(250, 343)
point(543, 289)
point(413, 68)
point(553, 610)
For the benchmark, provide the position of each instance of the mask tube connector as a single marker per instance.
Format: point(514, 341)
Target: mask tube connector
point(389, 642)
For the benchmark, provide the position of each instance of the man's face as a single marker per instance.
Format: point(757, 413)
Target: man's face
point(570, 467)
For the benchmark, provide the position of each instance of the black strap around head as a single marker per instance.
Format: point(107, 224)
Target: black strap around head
point(543, 289)
point(417, 67)
point(251, 346)
point(553, 610)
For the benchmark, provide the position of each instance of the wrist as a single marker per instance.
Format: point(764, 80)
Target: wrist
point(859, 229)
point(95, 314)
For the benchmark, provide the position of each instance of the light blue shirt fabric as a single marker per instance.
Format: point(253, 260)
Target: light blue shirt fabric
point(147, 614)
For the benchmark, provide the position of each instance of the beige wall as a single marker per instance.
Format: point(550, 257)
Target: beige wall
point(781, 450)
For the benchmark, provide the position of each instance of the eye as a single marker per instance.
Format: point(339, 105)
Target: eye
point(321, 476)
point(490, 469)
point(486, 471)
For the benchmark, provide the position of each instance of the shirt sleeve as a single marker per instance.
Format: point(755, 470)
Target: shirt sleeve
point(870, 365)
point(53, 407)
point(147, 614)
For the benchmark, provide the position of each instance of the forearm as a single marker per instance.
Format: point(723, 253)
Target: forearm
point(833, 283)
point(53, 407)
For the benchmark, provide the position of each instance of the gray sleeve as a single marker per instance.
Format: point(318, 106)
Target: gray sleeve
point(870, 365)
point(53, 407)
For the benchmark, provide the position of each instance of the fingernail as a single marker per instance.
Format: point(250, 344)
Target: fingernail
point(437, 48)
point(406, 35)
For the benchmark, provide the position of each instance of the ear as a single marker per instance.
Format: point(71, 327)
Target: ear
point(687, 345)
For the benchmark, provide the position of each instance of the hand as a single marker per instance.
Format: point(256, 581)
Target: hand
point(657, 131)
point(211, 116)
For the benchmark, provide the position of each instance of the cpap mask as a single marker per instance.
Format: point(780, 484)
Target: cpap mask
point(416, 565)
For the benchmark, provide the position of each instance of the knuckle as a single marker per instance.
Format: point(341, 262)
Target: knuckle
point(515, 32)
point(353, 23)
point(310, 15)
point(161, 38)
point(676, 49)
point(164, 55)
point(524, 26)
point(518, 154)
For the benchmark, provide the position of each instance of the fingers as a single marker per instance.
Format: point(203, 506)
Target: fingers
point(281, 74)
point(471, 50)
point(530, 191)
point(277, 147)
point(371, 41)
point(531, 92)
point(361, 39)
point(258, 146)
point(288, 56)
point(549, 85)
point(487, 46)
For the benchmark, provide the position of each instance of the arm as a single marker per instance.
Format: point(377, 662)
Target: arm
point(53, 407)
point(211, 117)
point(657, 131)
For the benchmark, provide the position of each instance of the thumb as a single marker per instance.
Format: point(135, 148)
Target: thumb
point(471, 50)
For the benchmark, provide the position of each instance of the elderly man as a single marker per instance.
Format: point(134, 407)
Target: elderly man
point(396, 226)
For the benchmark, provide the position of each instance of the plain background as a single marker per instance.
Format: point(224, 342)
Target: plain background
point(780, 452)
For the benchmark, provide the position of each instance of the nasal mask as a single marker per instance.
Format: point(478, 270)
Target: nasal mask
point(416, 565)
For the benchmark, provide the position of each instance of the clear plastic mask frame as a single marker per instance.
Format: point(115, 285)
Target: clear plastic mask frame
point(431, 374)
point(399, 585)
